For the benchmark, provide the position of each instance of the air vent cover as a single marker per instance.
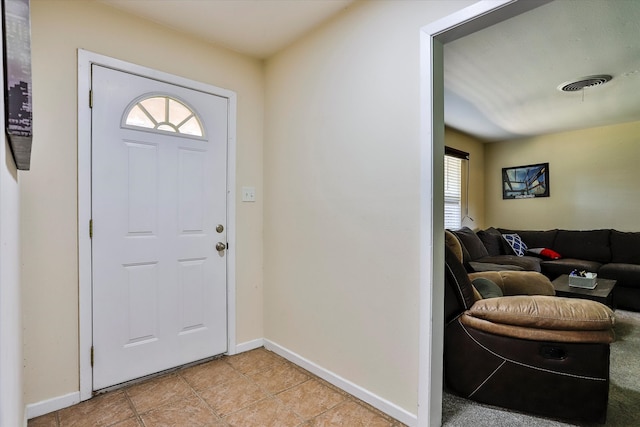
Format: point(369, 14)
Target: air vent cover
point(585, 82)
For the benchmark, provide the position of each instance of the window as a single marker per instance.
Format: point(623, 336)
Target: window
point(453, 187)
point(165, 114)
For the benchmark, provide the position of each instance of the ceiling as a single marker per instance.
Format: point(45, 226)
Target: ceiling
point(257, 28)
point(500, 82)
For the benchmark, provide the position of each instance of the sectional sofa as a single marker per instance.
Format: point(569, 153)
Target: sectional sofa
point(610, 253)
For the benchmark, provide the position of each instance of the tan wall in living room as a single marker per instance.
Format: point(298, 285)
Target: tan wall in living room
point(593, 177)
point(475, 148)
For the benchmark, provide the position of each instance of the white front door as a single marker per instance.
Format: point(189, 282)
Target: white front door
point(159, 168)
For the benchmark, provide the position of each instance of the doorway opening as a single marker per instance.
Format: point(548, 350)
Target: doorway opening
point(433, 37)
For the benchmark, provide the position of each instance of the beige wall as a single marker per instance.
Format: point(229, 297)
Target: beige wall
point(593, 176)
point(49, 190)
point(475, 148)
point(11, 375)
point(342, 178)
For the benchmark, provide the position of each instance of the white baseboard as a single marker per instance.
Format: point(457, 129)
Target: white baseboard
point(247, 346)
point(372, 399)
point(46, 406)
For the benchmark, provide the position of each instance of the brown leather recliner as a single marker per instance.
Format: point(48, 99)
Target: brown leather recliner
point(533, 353)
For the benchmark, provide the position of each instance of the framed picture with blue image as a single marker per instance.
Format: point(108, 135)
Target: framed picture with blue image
point(525, 182)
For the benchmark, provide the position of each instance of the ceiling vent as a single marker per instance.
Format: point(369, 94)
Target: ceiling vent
point(585, 82)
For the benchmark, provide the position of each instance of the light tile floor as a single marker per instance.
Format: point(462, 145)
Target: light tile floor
point(256, 388)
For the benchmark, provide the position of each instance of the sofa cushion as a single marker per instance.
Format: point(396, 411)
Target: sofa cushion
point(452, 242)
point(528, 263)
point(627, 298)
point(518, 282)
point(545, 312)
point(590, 245)
point(534, 238)
point(488, 266)
point(486, 288)
point(516, 243)
point(625, 247)
point(471, 243)
point(627, 275)
point(491, 238)
point(555, 268)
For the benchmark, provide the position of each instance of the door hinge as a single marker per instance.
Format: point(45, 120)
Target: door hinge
point(90, 99)
point(91, 356)
point(90, 228)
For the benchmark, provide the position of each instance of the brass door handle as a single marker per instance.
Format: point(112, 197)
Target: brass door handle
point(220, 246)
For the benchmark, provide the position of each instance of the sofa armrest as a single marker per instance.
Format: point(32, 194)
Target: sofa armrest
point(518, 282)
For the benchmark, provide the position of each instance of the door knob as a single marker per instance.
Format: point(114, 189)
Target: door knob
point(220, 246)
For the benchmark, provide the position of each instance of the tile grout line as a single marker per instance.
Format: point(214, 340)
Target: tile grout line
point(268, 394)
point(174, 400)
point(310, 377)
point(133, 407)
point(219, 417)
point(245, 376)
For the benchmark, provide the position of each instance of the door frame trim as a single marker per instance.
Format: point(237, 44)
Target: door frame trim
point(85, 301)
point(433, 37)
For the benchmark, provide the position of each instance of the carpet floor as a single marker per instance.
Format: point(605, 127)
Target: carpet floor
point(624, 390)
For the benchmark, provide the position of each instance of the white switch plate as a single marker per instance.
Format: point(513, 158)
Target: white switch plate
point(248, 194)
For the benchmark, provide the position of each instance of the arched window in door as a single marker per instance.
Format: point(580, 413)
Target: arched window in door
point(163, 113)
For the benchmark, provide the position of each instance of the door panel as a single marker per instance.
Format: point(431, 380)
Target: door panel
point(159, 284)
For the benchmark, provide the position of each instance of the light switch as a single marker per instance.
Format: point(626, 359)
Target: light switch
point(248, 194)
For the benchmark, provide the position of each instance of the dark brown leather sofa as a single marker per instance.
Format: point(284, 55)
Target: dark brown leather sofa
point(610, 253)
point(540, 354)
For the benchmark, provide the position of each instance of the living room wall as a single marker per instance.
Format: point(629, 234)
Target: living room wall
point(475, 148)
point(593, 176)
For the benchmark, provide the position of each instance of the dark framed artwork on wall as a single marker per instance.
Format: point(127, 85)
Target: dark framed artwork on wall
point(16, 39)
point(525, 182)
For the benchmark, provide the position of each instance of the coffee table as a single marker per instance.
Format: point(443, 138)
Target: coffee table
point(603, 291)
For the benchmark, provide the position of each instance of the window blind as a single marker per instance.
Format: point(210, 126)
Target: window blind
point(452, 192)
